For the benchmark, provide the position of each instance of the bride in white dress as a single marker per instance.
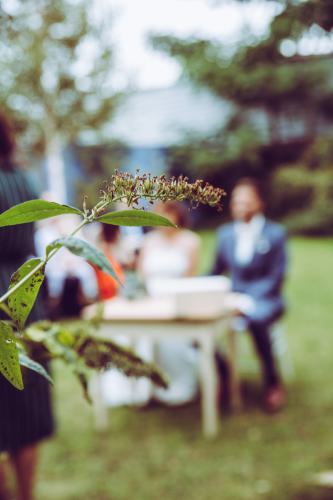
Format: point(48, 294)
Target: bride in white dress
point(165, 253)
point(172, 253)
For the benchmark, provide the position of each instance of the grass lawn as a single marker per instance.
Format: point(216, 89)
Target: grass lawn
point(160, 454)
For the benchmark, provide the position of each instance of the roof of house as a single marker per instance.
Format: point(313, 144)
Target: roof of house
point(163, 117)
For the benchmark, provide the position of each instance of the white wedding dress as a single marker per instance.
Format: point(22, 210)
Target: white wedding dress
point(165, 258)
point(161, 259)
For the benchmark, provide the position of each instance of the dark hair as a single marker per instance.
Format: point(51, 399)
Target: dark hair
point(179, 210)
point(109, 233)
point(252, 183)
point(7, 140)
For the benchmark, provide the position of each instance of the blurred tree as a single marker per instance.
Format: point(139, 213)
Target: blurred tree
point(55, 75)
point(267, 73)
point(303, 192)
point(275, 90)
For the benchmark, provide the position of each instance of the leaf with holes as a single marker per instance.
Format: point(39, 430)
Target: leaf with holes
point(101, 354)
point(87, 251)
point(135, 218)
point(21, 301)
point(9, 359)
point(34, 366)
point(33, 210)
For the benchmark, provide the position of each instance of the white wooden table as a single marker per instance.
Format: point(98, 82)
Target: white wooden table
point(157, 319)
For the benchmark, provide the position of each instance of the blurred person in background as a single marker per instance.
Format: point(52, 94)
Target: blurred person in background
point(117, 389)
point(25, 416)
point(109, 243)
point(252, 250)
point(172, 253)
point(71, 281)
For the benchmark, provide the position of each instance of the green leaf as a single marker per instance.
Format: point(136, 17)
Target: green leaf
point(35, 332)
point(21, 301)
point(101, 354)
point(135, 218)
point(9, 359)
point(34, 366)
point(33, 210)
point(87, 251)
point(83, 378)
point(5, 309)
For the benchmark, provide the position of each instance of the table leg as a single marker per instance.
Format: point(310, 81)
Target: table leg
point(208, 379)
point(235, 393)
point(99, 407)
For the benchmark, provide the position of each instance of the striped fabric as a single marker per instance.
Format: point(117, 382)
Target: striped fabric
point(25, 416)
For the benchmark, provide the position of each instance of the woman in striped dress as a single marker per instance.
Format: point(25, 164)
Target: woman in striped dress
point(25, 416)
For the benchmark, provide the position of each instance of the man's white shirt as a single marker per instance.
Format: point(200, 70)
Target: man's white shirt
point(247, 236)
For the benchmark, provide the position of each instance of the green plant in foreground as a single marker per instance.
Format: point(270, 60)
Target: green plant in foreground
point(76, 344)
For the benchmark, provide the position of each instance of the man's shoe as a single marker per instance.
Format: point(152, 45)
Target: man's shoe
point(274, 399)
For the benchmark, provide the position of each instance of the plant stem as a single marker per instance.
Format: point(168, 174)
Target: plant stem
point(21, 282)
point(41, 264)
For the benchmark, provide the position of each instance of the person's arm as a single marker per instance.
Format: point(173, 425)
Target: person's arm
point(271, 283)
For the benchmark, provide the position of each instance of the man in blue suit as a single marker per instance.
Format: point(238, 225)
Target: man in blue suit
point(252, 250)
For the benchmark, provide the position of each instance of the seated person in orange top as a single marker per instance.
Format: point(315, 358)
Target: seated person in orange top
point(108, 242)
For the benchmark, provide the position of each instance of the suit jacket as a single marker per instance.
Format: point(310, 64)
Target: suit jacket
point(262, 278)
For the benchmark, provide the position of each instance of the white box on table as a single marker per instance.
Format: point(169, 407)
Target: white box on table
point(194, 296)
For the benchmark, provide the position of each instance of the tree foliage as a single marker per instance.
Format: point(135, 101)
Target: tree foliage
point(55, 68)
point(259, 74)
point(274, 89)
point(303, 192)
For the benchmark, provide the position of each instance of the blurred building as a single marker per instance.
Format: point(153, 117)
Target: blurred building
point(148, 122)
point(160, 118)
point(151, 121)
